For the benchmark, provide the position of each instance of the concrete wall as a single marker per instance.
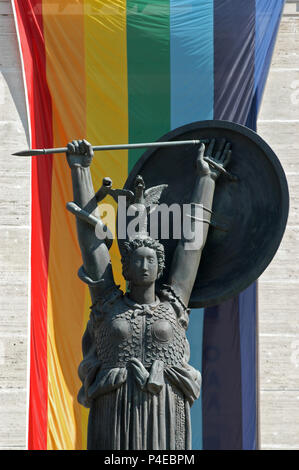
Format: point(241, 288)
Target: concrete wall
point(278, 124)
point(278, 286)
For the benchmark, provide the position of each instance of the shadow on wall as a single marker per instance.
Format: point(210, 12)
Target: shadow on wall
point(11, 77)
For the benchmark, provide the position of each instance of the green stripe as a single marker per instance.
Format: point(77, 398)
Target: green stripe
point(148, 55)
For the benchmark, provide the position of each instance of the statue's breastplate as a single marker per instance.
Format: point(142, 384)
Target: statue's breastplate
point(143, 333)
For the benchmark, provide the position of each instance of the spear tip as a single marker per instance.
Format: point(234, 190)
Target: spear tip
point(21, 153)
point(28, 153)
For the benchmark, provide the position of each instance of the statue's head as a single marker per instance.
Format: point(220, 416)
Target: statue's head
point(143, 260)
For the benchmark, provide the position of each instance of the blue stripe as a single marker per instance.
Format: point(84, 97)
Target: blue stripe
point(195, 338)
point(191, 61)
point(192, 99)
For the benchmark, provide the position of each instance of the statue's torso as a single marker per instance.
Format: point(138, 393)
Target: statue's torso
point(146, 333)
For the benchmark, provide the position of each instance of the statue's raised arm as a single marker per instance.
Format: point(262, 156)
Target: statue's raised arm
point(186, 261)
point(96, 270)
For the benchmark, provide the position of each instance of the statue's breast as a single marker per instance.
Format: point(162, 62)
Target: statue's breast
point(164, 338)
point(162, 331)
point(118, 338)
point(120, 330)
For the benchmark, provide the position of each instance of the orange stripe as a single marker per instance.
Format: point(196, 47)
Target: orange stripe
point(64, 38)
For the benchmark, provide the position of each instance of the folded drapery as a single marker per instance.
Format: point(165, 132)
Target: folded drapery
point(101, 381)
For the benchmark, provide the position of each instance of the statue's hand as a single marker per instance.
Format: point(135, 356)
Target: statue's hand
point(221, 158)
point(79, 153)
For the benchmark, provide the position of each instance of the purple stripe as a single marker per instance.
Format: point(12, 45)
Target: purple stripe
point(234, 62)
point(221, 388)
point(247, 317)
point(234, 58)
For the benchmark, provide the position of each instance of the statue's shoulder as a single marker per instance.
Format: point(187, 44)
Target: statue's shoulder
point(168, 296)
point(109, 303)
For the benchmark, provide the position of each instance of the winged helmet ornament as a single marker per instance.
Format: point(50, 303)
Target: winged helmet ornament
point(140, 195)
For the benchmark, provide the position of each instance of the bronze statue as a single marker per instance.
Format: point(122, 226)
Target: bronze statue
point(135, 375)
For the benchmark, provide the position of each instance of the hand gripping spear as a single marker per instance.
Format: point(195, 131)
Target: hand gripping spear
point(96, 148)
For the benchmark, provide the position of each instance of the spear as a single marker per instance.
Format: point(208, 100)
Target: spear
point(96, 148)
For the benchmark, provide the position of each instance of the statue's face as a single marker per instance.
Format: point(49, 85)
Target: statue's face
point(143, 268)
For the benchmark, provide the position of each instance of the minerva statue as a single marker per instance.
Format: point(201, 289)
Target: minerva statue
point(135, 375)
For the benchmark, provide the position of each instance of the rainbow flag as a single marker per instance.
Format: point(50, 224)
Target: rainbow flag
point(117, 71)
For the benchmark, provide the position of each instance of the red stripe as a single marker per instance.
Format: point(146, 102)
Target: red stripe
point(30, 26)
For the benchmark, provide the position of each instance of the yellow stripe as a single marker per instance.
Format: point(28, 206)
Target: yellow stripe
point(64, 41)
point(107, 95)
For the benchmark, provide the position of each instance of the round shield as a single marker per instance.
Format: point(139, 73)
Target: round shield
point(249, 214)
